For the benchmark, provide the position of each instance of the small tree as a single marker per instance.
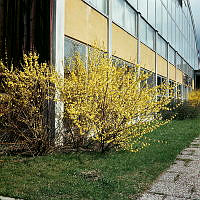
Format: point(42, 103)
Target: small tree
point(24, 106)
point(194, 98)
point(105, 102)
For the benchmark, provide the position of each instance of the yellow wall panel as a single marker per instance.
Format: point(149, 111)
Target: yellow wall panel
point(123, 44)
point(147, 58)
point(179, 76)
point(162, 66)
point(193, 84)
point(84, 23)
point(172, 72)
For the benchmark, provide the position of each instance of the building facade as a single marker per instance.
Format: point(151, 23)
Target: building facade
point(157, 34)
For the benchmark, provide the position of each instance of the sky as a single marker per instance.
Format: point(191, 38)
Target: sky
point(195, 5)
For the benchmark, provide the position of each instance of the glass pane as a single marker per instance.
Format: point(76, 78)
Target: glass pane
point(169, 29)
point(164, 2)
point(170, 6)
point(173, 8)
point(133, 3)
point(177, 38)
point(159, 80)
point(102, 6)
point(171, 55)
point(164, 23)
point(118, 9)
point(143, 31)
point(142, 7)
point(179, 62)
point(130, 20)
point(150, 37)
point(173, 34)
point(159, 45)
point(158, 16)
point(151, 12)
point(164, 49)
point(93, 2)
point(71, 47)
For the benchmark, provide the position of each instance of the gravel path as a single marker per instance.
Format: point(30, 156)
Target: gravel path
point(182, 180)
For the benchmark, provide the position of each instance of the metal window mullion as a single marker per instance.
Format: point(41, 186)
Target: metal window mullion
point(109, 31)
point(168, 62)
point(138, 35)
point(175, 62)
point(124, 15)
point(156, 58)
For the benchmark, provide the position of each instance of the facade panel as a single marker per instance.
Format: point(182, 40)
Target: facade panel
point(162, 66)
point(84, 24)
point(147, 58)
point(172, 72)
point(179, 76)
point(123, 44)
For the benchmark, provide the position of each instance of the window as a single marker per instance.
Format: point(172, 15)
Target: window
point(179, 62)
point(159, 80)
point(172, 84)
point(159, 16)
point(147, 34)
point(179, 90)
point(143, 31)
point(151, 80)
point(170, 29)
point(181, 40)
point(172, 55)
point(151, 12)
point(124, 16)
point(173, 8)
point(130, 20)
point(150, 37)
point(165, 2)
point(117, 61)
point(170, 6)
point(164, 49)
point(161, 47)
point(184, 67)
point(100, 5)
point(164, 22)
point(133, 3)
point(142, 7)
point(118, 9)
point(177, 38)
point(71, 47)
point(173, 34)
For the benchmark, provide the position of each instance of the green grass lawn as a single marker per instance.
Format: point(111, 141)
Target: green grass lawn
point(116, 175)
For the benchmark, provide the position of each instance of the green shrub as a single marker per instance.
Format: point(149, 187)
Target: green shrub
point(180, 110)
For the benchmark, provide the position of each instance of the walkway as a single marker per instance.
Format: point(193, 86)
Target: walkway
point(182, 180)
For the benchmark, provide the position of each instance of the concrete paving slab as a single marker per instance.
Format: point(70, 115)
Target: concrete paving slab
point(8, 198)
point(149, 196)
point(172, 189)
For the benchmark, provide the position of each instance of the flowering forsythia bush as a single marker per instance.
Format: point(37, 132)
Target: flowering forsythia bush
point(24, 105)
point(106, 104)
point(194, 98)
